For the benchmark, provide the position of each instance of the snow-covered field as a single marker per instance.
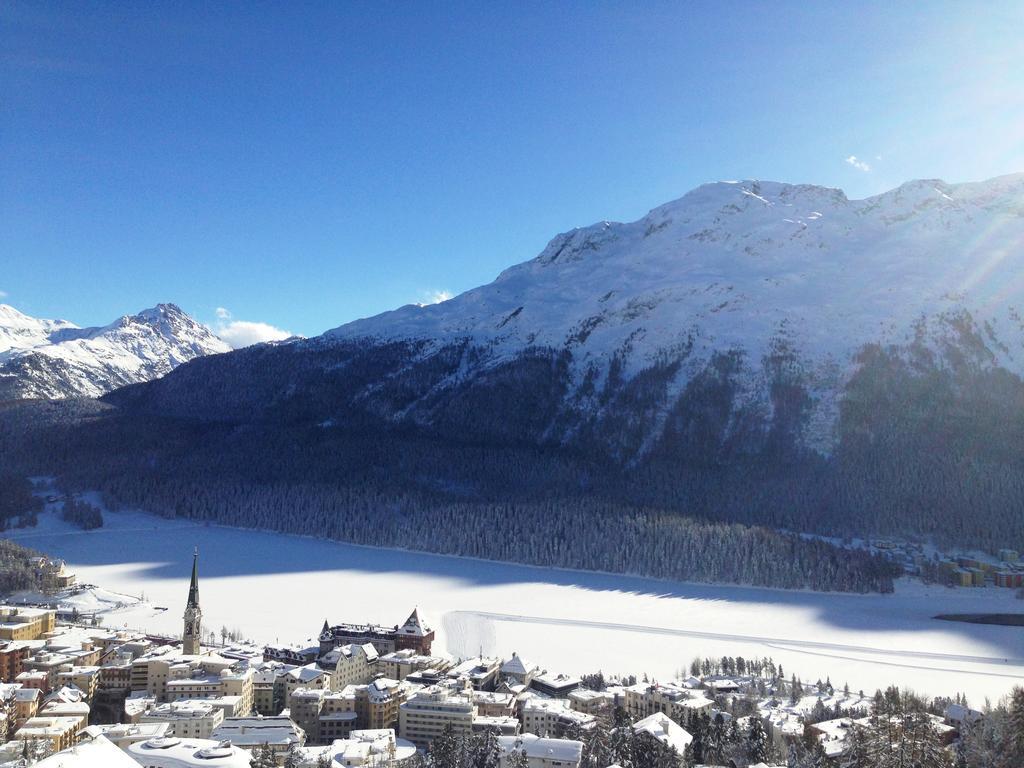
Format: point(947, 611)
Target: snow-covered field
point(281, 588)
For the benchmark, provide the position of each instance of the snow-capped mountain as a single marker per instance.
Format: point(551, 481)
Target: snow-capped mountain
point(57, 359)
point(760, 269)
point(741, 313)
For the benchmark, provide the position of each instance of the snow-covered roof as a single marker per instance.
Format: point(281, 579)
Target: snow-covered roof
point(306, 673)
point(251, 731)
point(566, 750)
point(664, 729)
point(413, 626)
point(188, 753)
point(97, 753)
point(516, 666)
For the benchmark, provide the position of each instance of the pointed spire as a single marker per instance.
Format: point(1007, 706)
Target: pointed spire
point(193, 590)
point(413, 625)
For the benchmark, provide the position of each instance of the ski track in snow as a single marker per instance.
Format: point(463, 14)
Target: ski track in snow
point(809, 647)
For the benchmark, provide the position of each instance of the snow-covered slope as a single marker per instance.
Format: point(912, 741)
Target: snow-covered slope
point(746, 317)
point(57, 359)
point(791, 275)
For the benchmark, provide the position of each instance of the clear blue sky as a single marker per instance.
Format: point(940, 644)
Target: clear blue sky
point(304, 164)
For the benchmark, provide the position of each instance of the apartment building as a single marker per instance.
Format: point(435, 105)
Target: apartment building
point(20, 623)
point(400, 664)
point(304, 708)
point(597, 703)
point(666, 731)
point(377, 703)
point(676, 701)
point(12, 659)
point(424, 716)
point(77, 710)
point(481, 672)
point(557, 686)
point(338, 717)
point(350, 664)
point(279, 733)
point(186, 719)
point(232, 686)
point(552, 718)
point(85, 679)
point(124, 734)
point(541, 752)
point(61, 732)
point(309, 676)
point(494, 703)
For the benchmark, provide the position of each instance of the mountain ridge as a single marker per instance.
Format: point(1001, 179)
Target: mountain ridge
point(56, 359)
point(752, 267)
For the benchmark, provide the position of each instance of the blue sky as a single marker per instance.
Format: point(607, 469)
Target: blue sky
point(302, 165)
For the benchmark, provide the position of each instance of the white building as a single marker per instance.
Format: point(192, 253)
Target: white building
point(95, 753)
point(541, 753)
point(551, 717)
point(424, 716)
point(123, 734)
point(351, 664)
point(188, 753)
point(279, 733)
point(186, 719)
point(377, 747)
point(665, 730)
point(517, 671)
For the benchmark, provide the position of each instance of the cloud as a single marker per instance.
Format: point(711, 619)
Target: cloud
point(245, 333)
point(3, 294)
point(857, 163)
point(435, 297)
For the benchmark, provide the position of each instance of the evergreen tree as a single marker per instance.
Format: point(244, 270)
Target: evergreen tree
point(446, 750)
point(294, 758)
point(758, 745)
point(1015, 725)
point(484, 750)
point(263, 757)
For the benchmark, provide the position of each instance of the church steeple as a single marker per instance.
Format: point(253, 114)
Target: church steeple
point(193, 590)
point(193, 614)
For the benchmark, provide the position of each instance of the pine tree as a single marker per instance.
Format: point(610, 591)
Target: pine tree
point(294, 758)
point(263, 757)
point(484, 750)
point(446, 750)
point(758, 746)
point(1016, 725)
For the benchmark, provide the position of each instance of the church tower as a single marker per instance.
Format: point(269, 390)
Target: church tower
point(193, 614)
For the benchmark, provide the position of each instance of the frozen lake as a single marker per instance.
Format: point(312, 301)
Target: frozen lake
point(281, 588)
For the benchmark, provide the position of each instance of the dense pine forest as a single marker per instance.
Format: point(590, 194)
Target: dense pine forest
point(522, 505)
point(924, 444)
point(899, 733)
point(922, 451)
point(16, 570)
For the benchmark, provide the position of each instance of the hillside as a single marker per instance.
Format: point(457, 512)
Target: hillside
point(743, 317)
point(771, 355)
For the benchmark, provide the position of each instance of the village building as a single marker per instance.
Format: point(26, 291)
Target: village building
point(188, 753)
point(279, 733)
point(541, 752)
point(666, 731)
point(20, 623)
point(189, 719)
point(425, 715)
